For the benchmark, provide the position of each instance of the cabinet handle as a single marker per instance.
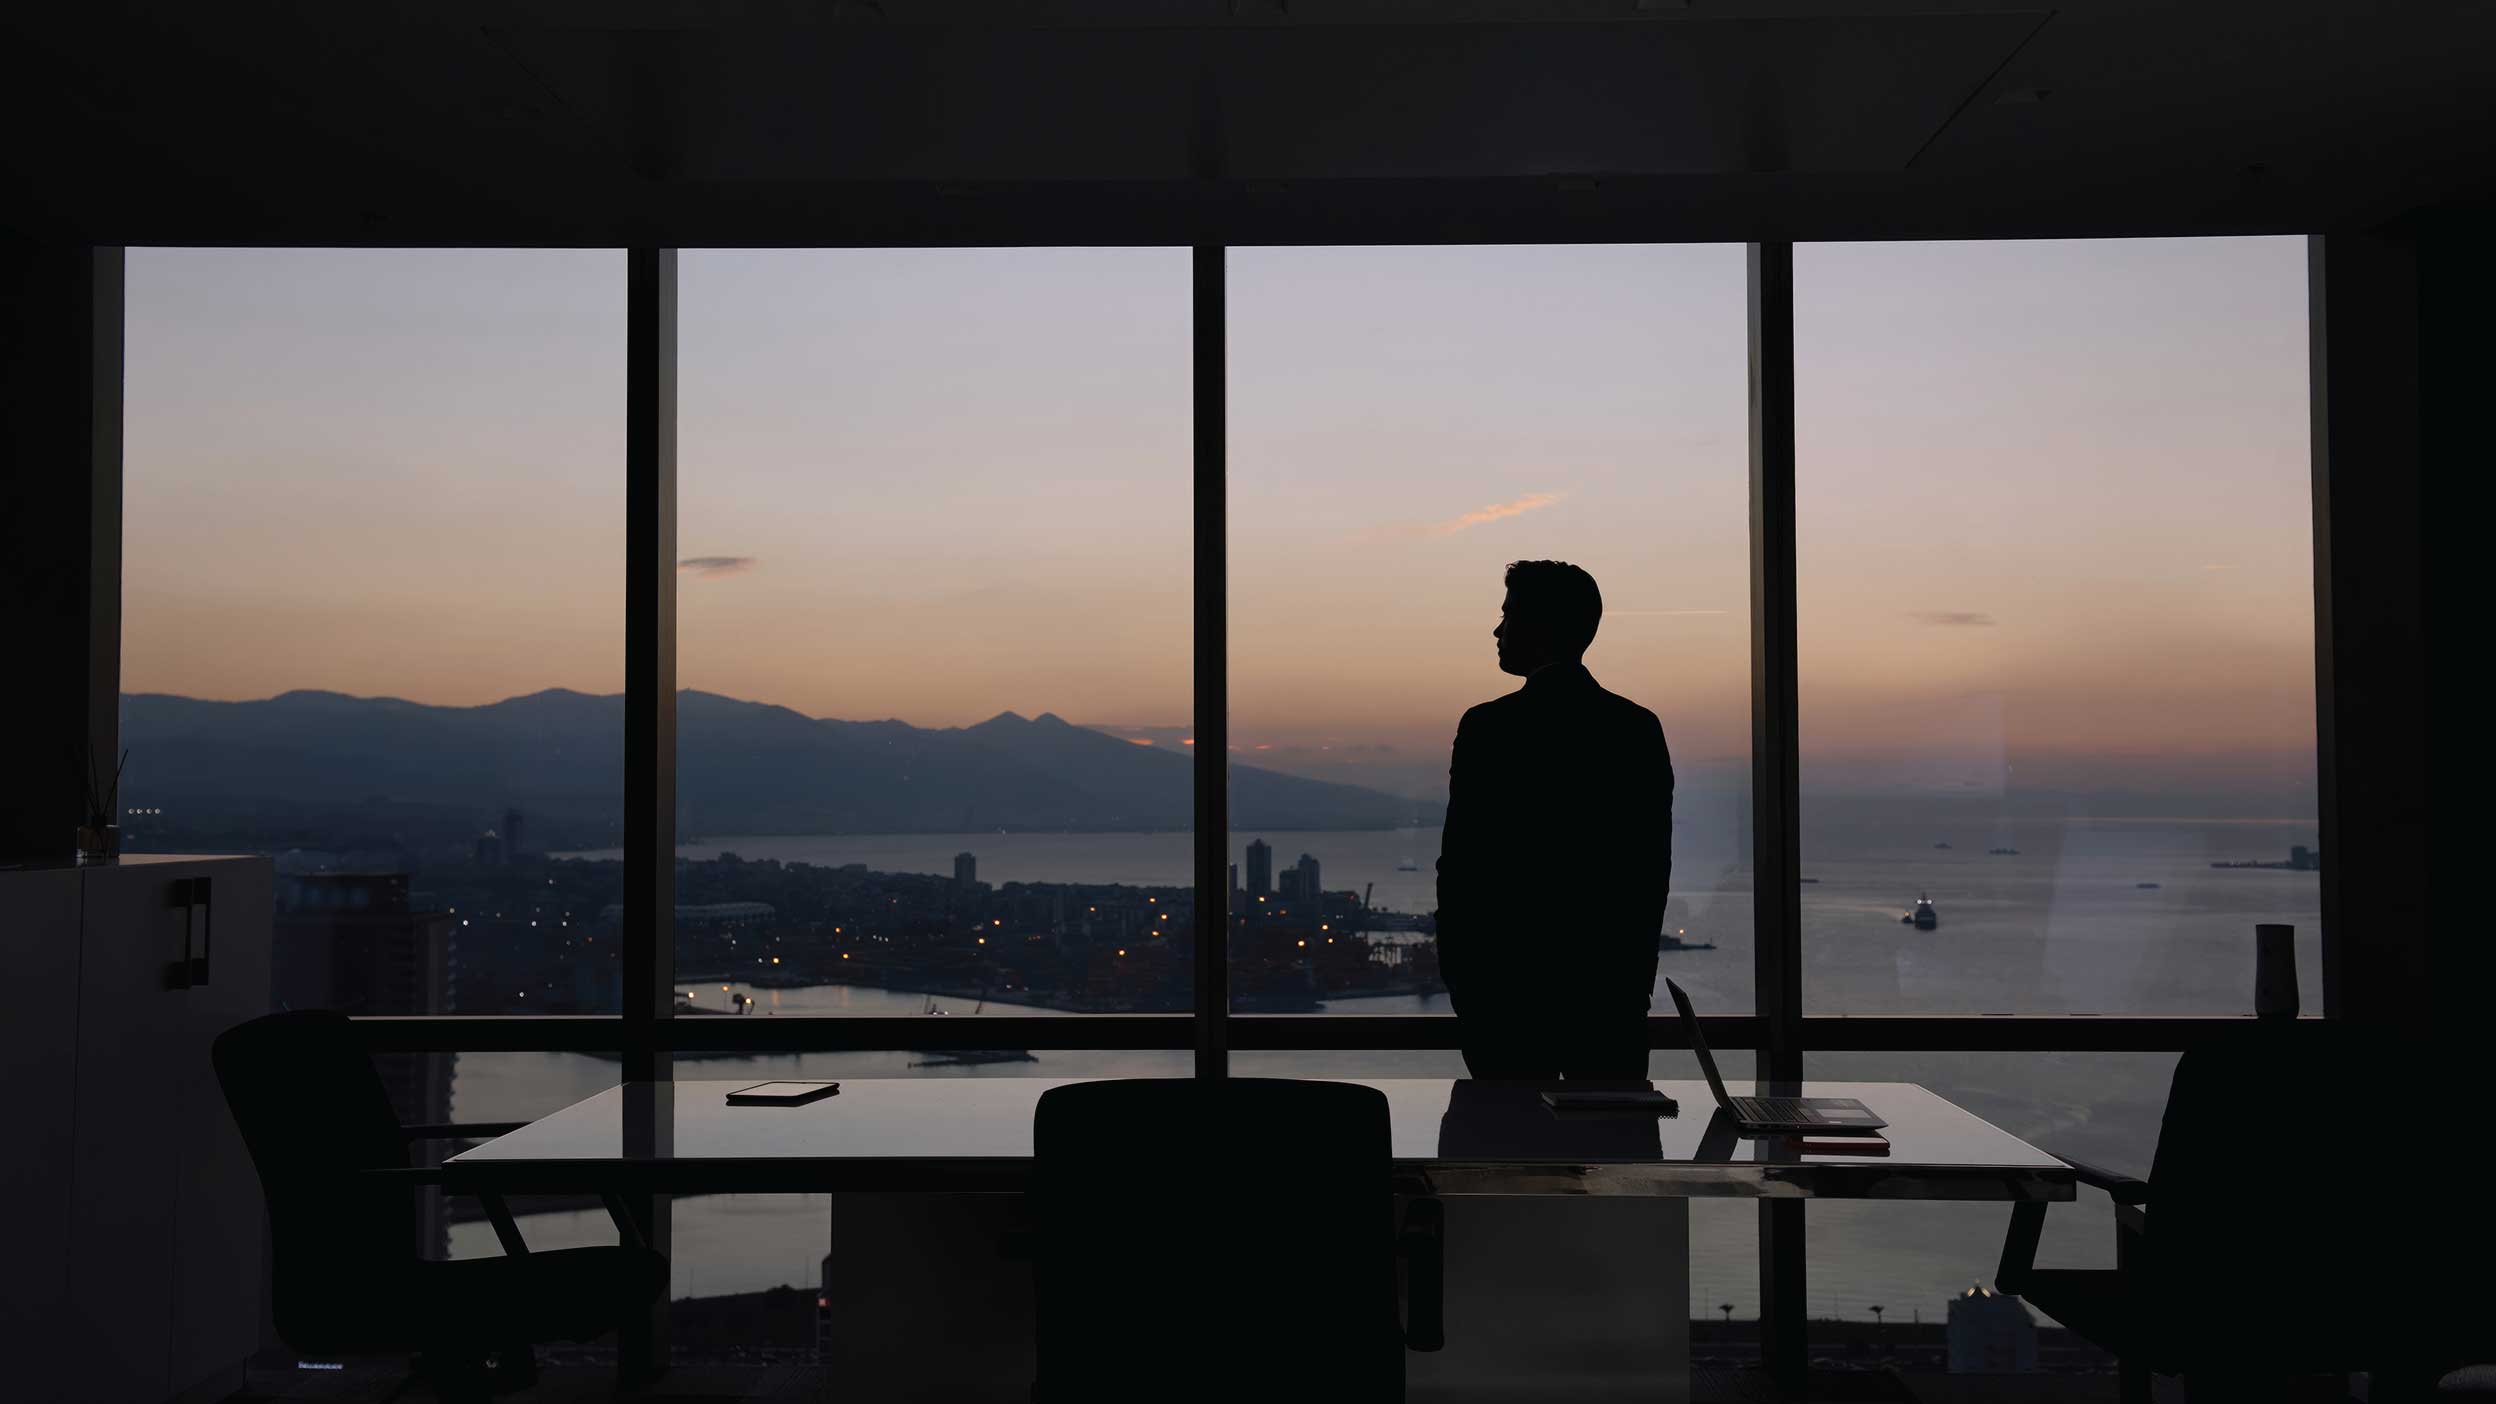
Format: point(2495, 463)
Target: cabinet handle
point(191, 971)
point(197, 923)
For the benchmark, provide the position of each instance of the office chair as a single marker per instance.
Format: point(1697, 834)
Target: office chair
point(1228, 1239)
point(2293, 1224)
point(347, 1274)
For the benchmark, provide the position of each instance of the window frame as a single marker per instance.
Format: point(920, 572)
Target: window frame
point(648, 1035)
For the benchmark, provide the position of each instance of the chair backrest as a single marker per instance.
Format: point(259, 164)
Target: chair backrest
point(314, 1113)
point(2276, 1233)
point(1215, 1239)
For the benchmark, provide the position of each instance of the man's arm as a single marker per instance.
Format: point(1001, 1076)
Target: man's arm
point(1459, 871)
point(1655, 824)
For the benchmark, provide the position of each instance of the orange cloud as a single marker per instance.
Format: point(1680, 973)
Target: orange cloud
point(1497, 511)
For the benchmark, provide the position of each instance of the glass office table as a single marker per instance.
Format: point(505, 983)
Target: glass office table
point(973, 1135)
point(1566, 1239)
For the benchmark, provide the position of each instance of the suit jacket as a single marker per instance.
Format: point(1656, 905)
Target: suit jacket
point(1557, 857)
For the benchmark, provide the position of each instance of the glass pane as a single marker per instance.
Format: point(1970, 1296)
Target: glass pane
point(934, 626)
point(765, 1279)
point(505, 1086)
point(373, 625)
point(1917, 1261)
point(2057, 624)
point(1404, 422)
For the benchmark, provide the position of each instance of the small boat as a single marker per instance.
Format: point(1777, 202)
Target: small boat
point(2002, 852)
point(2146, 886)
point(1923, 918)
point(1408, 867)
point(1945, 843)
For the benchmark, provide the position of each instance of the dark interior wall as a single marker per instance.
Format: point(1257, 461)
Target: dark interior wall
point(2457, 317)
point(60, 536)
point(2402, 367)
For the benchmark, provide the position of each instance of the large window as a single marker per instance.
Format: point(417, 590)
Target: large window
point(372, 611)
point(934, 630)
point(2055, 548)
point(935, 626)
point(1403, 423)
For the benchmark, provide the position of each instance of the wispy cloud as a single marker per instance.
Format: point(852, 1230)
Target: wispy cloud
point(1953, 618)
point(1483, 516)
point(715, 565)
point(1476, 518)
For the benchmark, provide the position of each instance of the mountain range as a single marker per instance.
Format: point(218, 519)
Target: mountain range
point(742, 768)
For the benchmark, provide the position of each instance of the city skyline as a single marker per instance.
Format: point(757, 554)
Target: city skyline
point(941, 484)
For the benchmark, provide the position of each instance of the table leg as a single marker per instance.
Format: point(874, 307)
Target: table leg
point(1564, 1299)
point(641, 1342)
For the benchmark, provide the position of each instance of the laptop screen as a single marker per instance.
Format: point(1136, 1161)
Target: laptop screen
point(1698, 1044)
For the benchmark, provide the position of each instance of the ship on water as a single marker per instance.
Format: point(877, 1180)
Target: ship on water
point(1923, 918)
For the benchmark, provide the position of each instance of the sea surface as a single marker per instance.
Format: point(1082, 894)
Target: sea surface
point(2090, 915)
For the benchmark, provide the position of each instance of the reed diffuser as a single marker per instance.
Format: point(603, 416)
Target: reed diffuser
point(99, 837)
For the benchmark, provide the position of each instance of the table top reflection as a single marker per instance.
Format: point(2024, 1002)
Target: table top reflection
point(1452, 1136)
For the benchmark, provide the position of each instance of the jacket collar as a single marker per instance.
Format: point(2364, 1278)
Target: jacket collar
point(1559, 677)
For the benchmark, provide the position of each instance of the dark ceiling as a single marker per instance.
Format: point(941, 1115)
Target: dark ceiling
point(715, 122)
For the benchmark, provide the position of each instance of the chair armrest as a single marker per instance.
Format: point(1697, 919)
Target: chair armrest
point(458, 1130)
point(1423, 1244)
point(2122, 1189)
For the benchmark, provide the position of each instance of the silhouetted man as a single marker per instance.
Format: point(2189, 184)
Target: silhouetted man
point(1558, 851)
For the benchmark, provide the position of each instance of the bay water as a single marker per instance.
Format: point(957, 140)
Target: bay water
point(2080, 915)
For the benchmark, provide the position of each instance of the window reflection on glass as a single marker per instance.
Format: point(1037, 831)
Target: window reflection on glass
point(1916, 1260)
point(1403, 423)
point(934, 630)
point(373, 549)
point(2055, 530)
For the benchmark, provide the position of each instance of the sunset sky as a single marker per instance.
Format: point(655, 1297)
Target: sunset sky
point(2054, 510)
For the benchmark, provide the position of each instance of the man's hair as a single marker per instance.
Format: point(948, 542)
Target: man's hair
point(1560, 594)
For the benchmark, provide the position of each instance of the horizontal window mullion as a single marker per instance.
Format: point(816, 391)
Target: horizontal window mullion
point(1852, 1033)
point(2019, 1033)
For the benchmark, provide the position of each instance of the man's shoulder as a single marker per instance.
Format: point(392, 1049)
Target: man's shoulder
point(1493, 712)
point(1629, 713)
point(1620, 710)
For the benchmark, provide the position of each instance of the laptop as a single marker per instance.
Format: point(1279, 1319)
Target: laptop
point(1770, 1116)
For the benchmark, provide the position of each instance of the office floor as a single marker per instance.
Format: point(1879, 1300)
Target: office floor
point(369, 1382)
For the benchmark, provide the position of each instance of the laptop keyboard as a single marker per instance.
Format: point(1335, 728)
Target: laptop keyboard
point(1777, 1108)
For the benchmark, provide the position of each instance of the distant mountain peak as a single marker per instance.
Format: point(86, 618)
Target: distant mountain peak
point(324, 697)
point(745, 767)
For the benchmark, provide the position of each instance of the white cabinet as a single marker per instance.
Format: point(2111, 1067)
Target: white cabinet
point(141, 1190)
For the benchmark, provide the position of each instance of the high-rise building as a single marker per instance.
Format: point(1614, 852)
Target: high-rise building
point(354, 942)
point(965, 870)
point(1291, 884)
point(1260, 868)
point(1991, 1334)
point(1307, 868)
point(512, 848)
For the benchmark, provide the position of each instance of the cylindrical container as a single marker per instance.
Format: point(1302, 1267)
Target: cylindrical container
point(2275, 971)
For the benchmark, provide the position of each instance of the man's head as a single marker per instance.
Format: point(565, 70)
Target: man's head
point(1549, 616)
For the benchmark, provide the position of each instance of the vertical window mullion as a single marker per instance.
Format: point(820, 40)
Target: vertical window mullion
point(649, 954)
point(1775, 767)
point(1212, 672)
